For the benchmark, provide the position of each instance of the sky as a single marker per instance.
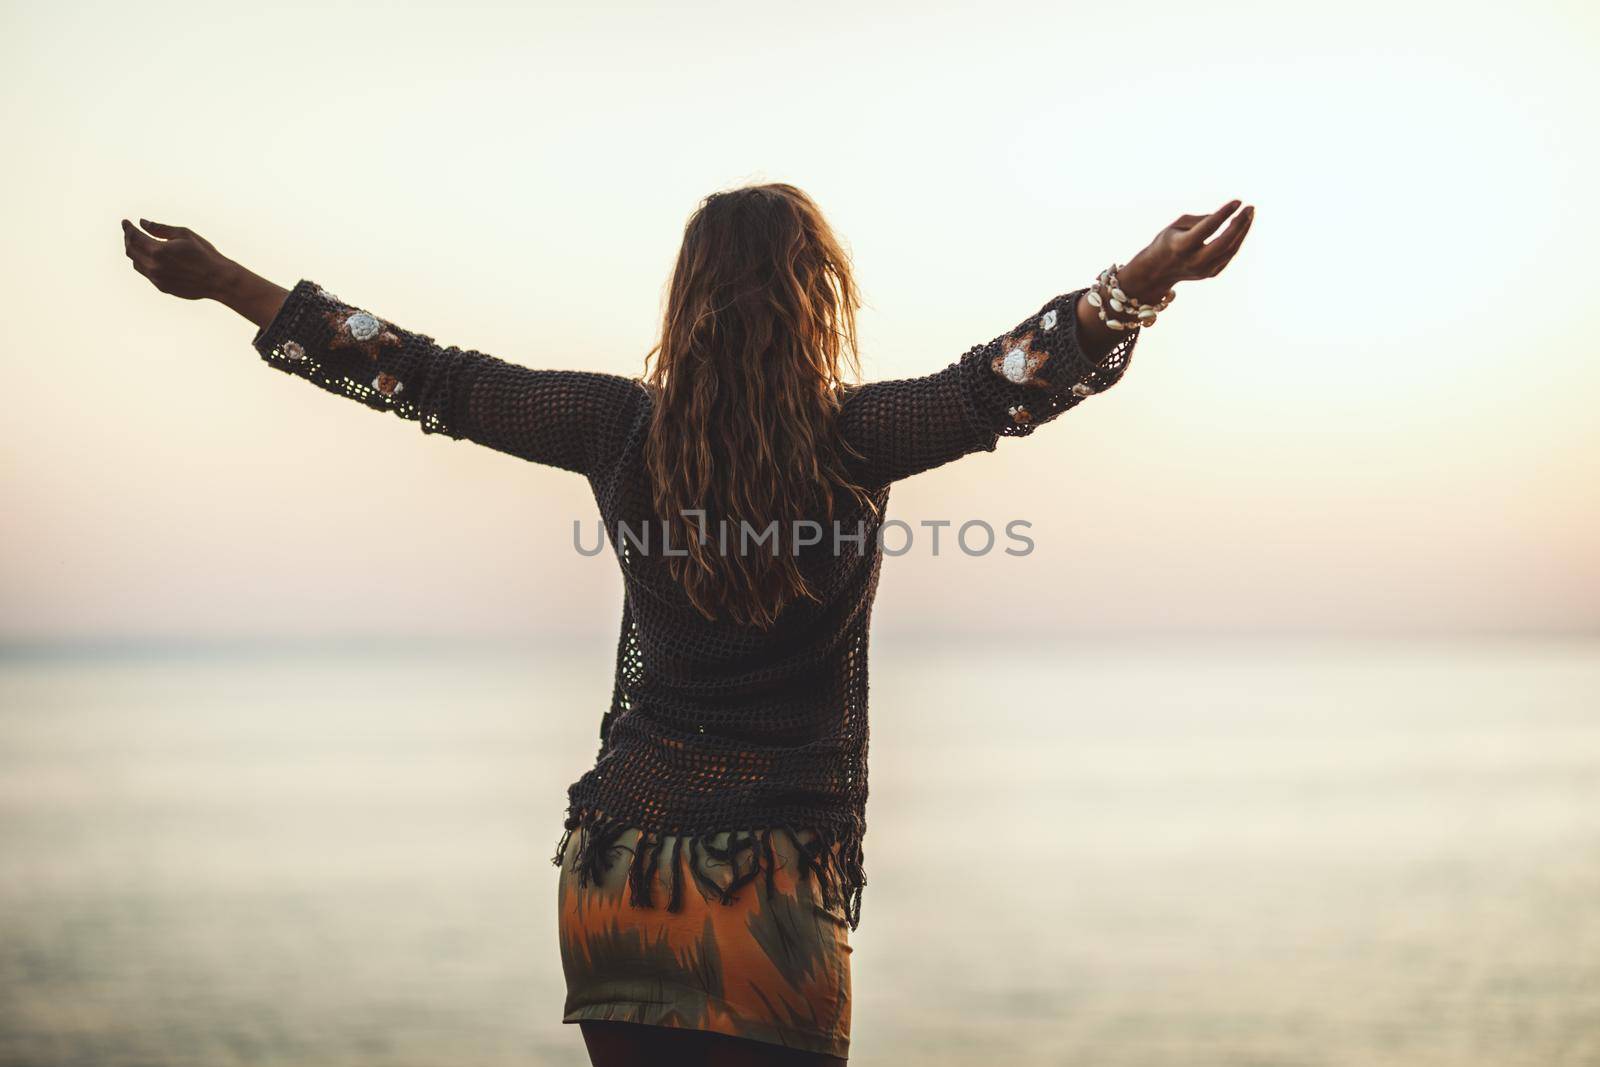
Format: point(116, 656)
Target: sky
point(1378, 421)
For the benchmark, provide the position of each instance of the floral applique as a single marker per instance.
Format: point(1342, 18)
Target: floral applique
point(364, 332)
point(1019, 414)
point(1018, 363)
point(1047, 321)
point(387, 384)
point(291, 351)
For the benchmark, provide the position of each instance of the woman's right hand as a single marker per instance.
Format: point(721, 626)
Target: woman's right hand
point(1181, 253)
point(178, 261)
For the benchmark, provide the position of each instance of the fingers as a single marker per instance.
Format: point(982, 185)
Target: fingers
point(138, 247)
point(165, 232)
point(1219, 252)
point(136, 240)
point(1208, 225)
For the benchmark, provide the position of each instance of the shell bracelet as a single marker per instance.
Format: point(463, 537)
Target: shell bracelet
point(1107, 290)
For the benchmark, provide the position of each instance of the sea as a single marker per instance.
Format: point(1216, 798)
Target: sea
point(1107, 851)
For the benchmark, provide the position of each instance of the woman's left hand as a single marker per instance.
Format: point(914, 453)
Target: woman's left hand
point(178, 261)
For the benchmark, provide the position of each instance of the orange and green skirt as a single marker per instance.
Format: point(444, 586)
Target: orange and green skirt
point(728, 943)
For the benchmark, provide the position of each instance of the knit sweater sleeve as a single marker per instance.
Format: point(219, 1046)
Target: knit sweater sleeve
point(574, 420)
point(1006, 387)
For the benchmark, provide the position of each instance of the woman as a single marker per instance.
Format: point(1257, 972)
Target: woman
point(712, 861)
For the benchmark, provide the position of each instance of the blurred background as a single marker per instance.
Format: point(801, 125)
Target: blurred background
point(1291, 752)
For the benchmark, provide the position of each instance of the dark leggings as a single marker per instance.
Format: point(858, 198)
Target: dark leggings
point(614, 1044)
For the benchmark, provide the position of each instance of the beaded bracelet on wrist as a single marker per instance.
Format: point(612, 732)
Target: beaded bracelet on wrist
point(1107, 290)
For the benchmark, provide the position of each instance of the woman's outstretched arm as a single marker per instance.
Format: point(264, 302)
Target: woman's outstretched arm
point(1033, 373)
point(181, 263)
point(574, 420)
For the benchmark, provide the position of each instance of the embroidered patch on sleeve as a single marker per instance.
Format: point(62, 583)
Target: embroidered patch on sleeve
point(364, 332)
point(1018, 363)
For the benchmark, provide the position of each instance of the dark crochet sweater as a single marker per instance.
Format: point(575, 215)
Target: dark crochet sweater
point(717, 735)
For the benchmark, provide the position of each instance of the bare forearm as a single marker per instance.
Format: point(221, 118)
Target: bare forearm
point(249, 294)
point(178, 261)
point(1095, 338)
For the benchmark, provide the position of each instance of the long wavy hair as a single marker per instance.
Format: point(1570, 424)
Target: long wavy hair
point(747, 377)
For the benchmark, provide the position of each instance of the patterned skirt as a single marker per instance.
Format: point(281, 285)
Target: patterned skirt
point(769, 965)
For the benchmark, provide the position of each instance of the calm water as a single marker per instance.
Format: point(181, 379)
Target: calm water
point(1244, 854)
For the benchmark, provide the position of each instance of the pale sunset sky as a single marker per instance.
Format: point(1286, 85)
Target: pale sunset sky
point(1379, 420)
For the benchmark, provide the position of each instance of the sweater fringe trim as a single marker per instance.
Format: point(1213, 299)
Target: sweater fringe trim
point(834, 858)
